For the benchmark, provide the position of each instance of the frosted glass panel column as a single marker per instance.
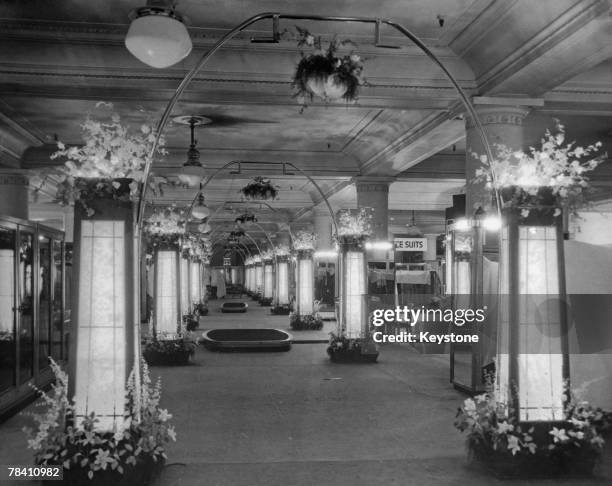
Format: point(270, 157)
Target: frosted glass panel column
point(354, 288)
point(259, 277)
point(185, 307)
point(282, 281)
point(532, 336)
point(305, 283)
point(102, 321)
point(166, 292)
point(195, 283)
point(268, 279)
point(7, 294)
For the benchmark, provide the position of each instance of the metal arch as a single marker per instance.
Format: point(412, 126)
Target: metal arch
point(275, 15)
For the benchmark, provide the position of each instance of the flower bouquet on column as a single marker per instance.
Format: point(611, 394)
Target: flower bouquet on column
point(353, 342)
point(304, 317)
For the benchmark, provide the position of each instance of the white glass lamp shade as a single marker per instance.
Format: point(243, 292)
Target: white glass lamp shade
point(305, 287)
point(166, 292)
point(194, 273)
point(204, 228)
point(531, 318)
point(101, 348)
point(268, 280)
point(282, 283)
point(354, 289)
point(184, 286)
point(200, 212)
point(158, 40)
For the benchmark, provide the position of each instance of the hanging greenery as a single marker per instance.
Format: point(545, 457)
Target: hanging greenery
point(260, 189)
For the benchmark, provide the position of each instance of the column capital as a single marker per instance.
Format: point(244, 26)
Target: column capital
point(14, 177)
point(372, 183)
point(498, 115)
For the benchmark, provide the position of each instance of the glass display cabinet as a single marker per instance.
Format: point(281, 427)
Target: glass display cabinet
point(32, 307)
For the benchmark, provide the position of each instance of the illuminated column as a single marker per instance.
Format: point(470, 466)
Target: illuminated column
point(282, 280)
point(102, 342)
point(259, 277)
point(268, 291)
point(305, 283)
point(184, 290)
point(195, 279)
point(532, 345)
point(14, 193)
point(353, 305)
point(167, 316)
point(234, 275)
point(7, 294)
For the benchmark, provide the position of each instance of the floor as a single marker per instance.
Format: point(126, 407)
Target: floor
point(294, 418)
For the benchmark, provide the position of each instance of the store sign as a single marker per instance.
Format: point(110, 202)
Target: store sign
point(410, 244)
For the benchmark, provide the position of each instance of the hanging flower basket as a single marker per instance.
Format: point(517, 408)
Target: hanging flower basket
point(326, 74)
point(260, 190)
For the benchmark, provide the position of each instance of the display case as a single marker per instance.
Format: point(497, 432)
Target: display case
point(32, 307)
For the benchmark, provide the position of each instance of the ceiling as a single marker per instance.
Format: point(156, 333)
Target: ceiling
point(58, 59)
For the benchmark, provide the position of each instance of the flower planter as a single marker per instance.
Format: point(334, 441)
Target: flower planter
point(280, 310)
point(306, 323)
point(265, 301)
point(143, 473)
point(168, 357)
point(520, 466)
point(328, 87)
point(340, 355)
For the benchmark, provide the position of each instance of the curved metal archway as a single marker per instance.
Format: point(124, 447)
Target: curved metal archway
point(275, 16)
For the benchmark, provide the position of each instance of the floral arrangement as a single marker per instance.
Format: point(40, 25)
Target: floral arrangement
point(493, 430)
point(246, 218)
point(325, 73)
point(170, 350)
point(267, 255)
point(304, 240)
point(110, 153)
point(556, 165)
point(282, 251)
point(86, 453)
point(305, 323)
point(342, 348)
point(357, 224)
point(260, 189)
point(196, 247)
point(165, 227)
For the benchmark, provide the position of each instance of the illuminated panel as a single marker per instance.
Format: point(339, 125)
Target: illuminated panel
point(282, 283)
point(166, 298)
point(449, 265)
point(195, 282)
point(7, 295)
point(540, 358)
point(101, 345)
point(185, 307)
point(259, 278)
point(305, 297)
point(268, 280)
point(234, 275)
point(354, 290)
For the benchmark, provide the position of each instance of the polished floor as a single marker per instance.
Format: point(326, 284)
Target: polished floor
point(294, 418)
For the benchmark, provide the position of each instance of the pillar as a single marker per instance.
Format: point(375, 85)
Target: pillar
point(323, 228)
point(503, 124)
point(373, 192)
point(14, 193)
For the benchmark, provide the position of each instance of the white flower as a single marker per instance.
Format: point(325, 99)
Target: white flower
point(469, 405)
point(164, 416)
point(513, 444)
point(559, 435)
point(504, 427)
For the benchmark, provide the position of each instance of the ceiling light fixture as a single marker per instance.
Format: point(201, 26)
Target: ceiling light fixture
point(192, 171)
point(412, 230)
point(157, 35)
point(200, 210)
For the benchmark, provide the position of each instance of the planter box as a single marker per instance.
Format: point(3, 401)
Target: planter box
point(504, 466)
point(142, 474)
point(265, 301)
point(351, 356)
point(177, 358)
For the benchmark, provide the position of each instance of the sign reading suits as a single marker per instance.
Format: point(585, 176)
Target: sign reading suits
point(410, 244)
